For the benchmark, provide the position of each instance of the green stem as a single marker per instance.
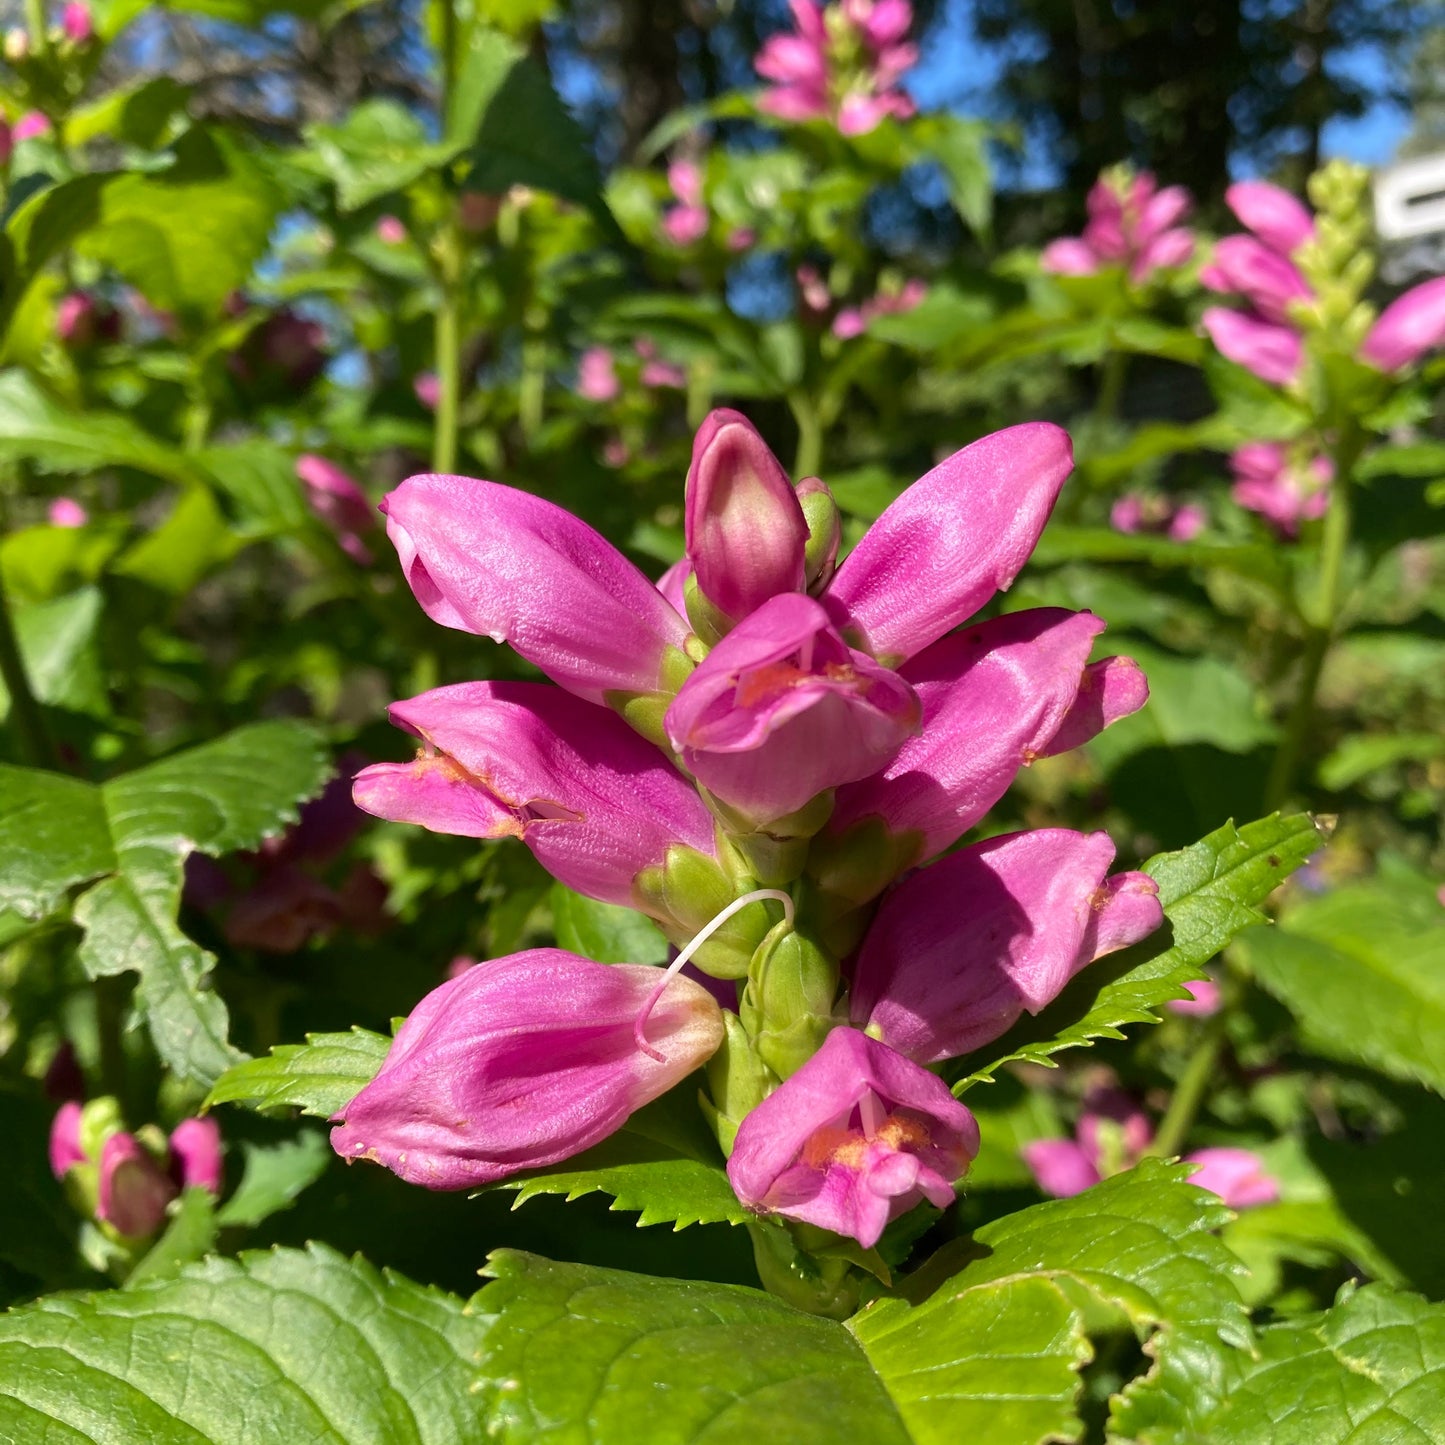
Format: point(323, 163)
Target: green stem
point(31, 733)
point(532, 391)
point(808, 459)
point(36, 24)
point(111, 994)
point(1317, 643)
point(448, 58)
point(449, 380)
point(1111, 384)
point(1189, 1093)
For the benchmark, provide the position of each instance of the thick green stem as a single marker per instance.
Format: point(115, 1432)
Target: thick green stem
point(449, 380)
point(26, 717)
point(36, 24)
point(1317, 643)
point(1190, 1092)
point(808, 459)
point(1112, 376)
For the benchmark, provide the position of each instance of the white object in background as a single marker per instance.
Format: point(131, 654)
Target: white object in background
point(1410, 198)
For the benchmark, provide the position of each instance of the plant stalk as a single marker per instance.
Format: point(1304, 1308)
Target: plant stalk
point(26, 716)
point(1190, 1092)
point(449, 366)
point(808, 459)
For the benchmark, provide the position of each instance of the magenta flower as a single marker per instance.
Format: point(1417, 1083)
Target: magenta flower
point(522, 1062)
point(1410, 326)
point(854, 320)
point(76, 22)
point(855, 1138)
point(1203, 1000)
point(783, 709)
point(687, 221)
point(1132, 223)
point(995, 697)
point(391, 231)
point(1112, 1135)
point(952, 540)
point(594, 802)
point(597, 375)
point(337, 500)
point(657, 373)
point(134, 1189)
point(1237, 1176)
point(841, 64)
point(507, 565)
point(958, 951)
point(65, 1150)
point(1133, 513)
point(196, 1159)
point(30, 126)
point(746, 533)
point(427, 388)
point(1281, 486)
point(66, 512)
point(1276, 217)
point(1271, 283)
point(1274, 353)
point(7, 141)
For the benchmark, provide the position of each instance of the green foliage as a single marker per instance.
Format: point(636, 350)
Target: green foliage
point(284, 1346)
point(604, 931)
point(320, 1077)
point(1209, 892)
point(128, 840)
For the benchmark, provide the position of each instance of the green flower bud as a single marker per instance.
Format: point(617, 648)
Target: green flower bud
point(710, 623)
point(787, 1005)
point(738, 1081)
point(825, 531)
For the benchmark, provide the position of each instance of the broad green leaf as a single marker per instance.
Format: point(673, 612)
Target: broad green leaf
point(290, 1346)
point(1367, 1372)
point(190, 1233)
point(35, 427)
point(256, 480)
point(380, 147)
point(175, 556)
point(604, 931)
point(1365, 753)
point(319, 1077)
point(1061, 543)
point(137, 114)
point(1209, 892)
point(575, 1353)
point(57, 642)
point(1363, 970)
point(663, 1164)
point(129, 839)
point(276, 1173)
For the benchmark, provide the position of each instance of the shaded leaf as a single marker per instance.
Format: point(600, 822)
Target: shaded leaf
point(319, 1077)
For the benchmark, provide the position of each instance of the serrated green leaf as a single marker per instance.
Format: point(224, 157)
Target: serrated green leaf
point(604, 931)
point(276, 1173)
point(1367, 1372)
point(1209, 892)
point(319, 1077)
point(288, 1346)
point(129, 839)
point(1363, 970)
point(57, 641)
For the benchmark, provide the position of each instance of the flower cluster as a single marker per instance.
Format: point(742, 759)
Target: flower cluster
point(840, 63)
point(1286, 485)
point(1134, 512)
point(1113, 1133)
point(759, 752)
point(124, 1180)
point(1132, 223)
point(1267, 269)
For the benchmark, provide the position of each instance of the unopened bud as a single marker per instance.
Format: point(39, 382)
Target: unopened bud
point(825, 531)
point(787, 1005)
point(738, 1081)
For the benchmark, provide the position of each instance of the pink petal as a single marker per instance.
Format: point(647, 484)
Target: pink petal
point(1268, 281)
point(1410, 326)
point(1237, 1176)
point(1275, 216)
point(196, 1154)
point(1060, 1167)
point(65, 1150)
point(1273, 353)
point(1069, 256)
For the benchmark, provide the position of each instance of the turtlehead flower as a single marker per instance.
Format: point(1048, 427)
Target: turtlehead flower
point(597, 375)
point(427, 388)
point(855, 1138)
point(522, 1062)
point(840, 63)
point(656, 373)
point(1203, 1000)
point(594, 802)
point(1237, 1176)
point(66, 512)
point(1134, 513)
point(65, 1150)
point(686, 222)
point(134, 1189)
point(31, 126)
point(337, 500)
point(1132, 223)
point(76, 22)
point(196, 1157)
point(855, 320)
point(783, 709)
point(959, 950)
point(1410, 326)
point(1281, 485)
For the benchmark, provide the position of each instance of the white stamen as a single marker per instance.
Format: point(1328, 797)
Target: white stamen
point(871, 1113)
point(700, 938)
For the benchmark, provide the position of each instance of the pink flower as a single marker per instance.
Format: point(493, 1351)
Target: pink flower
point(1187, 523)
point(746, 533)
point(522, 1062)
point(66, 512)
point(1133, 513)
point(510, 566)
point(740, 238)
point(339, 503)
point(656, 373)
point(596, 375)
point(683, 225)
point(1132, 223)
point(7, 141)
point(76, 22)
point(855, 1138)
point(995, 697)
point(1112, 1135)
point(1236, 1175)
point(1273, 353)
point(391, 231)
point(783, 709)
point(959, 950)
point(428, 389)
point(134, 1189)
point(1268, 281)
point(854, 320)
point(594, 802)
point(1275, 216)
point(30, 126)
point(1285, 489)
point(1203, 1000)
point(65, 1150)
point(81, 321)
point(196, 1159)
point(1411, 325)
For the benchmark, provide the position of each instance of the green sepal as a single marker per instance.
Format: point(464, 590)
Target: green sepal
point(825, 532)
point(738, 1080)
point(709, 622)
point(787, 1005)
point(820, 1284)
point(775, 854)
point(850, 869)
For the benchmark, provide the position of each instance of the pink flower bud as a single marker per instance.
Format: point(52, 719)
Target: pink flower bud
point(75, 319)
point(196, 1159)
point(683, 225)
point(1061, 1167)
point(66, 512)
point(1411, 325)
point(428, 389)
point(340, 503)
point(855, 1138)
point(7, 141)
point(594, 802)
point(391, 231)
point(523, 1062)
point(1267, 481)
point(596, 375)
point(1069, 256)
point(1267, 280)
point(685, 178)
point(134, 1190)
point(783, 709)
point(1273, 353)
point(76, 22)
point(1237, 1176)
point(1203, 1000)
point(30, 126)
point(510, 566)
point(65, 1150)
point(1275, 216)
point(746, 533)
point(959, 950)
